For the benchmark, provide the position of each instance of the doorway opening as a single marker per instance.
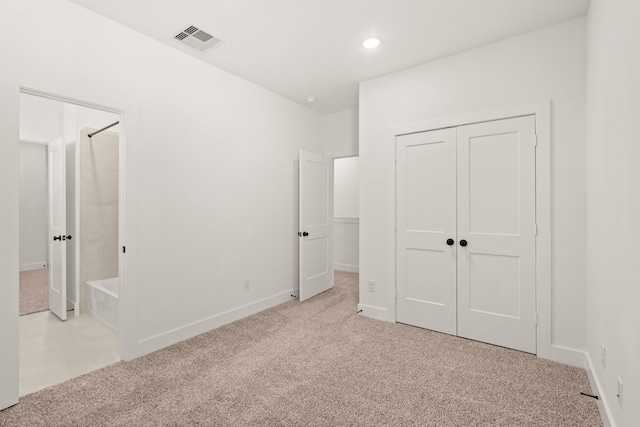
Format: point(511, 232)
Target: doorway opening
point(346, 220)
point(70, 238)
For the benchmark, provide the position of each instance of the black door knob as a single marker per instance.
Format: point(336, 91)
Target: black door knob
point(450, 242)
point(463, 243)
point(57, 238)
point(305, 234)
point(69, 237)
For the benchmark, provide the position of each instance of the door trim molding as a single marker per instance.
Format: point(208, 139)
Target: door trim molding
point(542, 113)
point(9, 226)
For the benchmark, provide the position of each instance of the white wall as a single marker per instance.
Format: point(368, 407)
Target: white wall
point(346, 251)
point(40, 119)
point(216, 166)
point(346, 205)
point(33, 206)
point(346, 199)
point(531, 68)
point(72, 274)
point(340, 134)
point(613, 202)
point(340, 139)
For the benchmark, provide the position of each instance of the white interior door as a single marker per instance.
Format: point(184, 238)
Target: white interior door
point(496, 219)
point(315, 212)
point(426, 230)
point(57, 229)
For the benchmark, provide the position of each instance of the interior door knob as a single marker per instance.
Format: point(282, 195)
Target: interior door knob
point(57, 238)
point(69, 237)
point(450, 242)
point(463, 243)
point(305, 234)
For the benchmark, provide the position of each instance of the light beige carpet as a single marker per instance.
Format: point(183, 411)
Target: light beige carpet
point(34, 291)
point(318, 363)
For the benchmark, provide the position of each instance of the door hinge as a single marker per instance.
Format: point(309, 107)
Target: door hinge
point(535, 140)
point(536, 318)
point(536, 229)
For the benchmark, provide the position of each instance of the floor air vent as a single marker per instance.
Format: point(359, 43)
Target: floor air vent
point(197, 39)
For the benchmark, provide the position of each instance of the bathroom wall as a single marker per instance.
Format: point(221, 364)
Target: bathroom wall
point(33, 206)
point(98, 207)
point(74, 119)
point(72, 265)
point(40, 123)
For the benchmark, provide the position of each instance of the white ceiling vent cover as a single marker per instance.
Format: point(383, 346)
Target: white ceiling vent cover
point(196, 38)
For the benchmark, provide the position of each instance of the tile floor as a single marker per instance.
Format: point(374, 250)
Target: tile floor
point(53, 351)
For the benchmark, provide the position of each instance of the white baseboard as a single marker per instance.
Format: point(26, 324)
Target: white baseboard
point(378, 313)
point(157, 342)
point(346, 267)
point(33, 266)
point(603, 405)
point(568, 356)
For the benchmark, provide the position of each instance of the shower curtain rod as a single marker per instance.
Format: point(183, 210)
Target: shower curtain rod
point(104, 128)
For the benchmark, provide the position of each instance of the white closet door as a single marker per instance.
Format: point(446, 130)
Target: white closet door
point(496, 217)
point(426, 219)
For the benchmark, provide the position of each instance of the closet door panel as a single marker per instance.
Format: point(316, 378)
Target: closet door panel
point(496, 217)
point(426, 209)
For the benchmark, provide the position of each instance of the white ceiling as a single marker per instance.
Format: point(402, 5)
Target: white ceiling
point(298, 48)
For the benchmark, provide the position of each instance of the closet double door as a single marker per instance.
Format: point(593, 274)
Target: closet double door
point(466, 228)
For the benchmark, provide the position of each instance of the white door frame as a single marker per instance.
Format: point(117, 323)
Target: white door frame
point(129, 346)
point(127, 233)
point(542, 112)
point(9, 226)
point(332, 156)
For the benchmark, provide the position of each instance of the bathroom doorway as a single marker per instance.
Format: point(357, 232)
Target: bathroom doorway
point(76, 244)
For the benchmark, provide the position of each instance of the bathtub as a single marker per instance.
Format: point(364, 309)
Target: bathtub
point(103, 302)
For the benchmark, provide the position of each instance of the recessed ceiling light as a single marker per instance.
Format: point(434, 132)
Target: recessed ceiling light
point(372, 42)
point(311, 99)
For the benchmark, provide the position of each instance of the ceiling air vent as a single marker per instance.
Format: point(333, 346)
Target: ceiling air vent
point(197, 39)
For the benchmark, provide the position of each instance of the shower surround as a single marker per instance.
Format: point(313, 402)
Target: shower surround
point(99, 207)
